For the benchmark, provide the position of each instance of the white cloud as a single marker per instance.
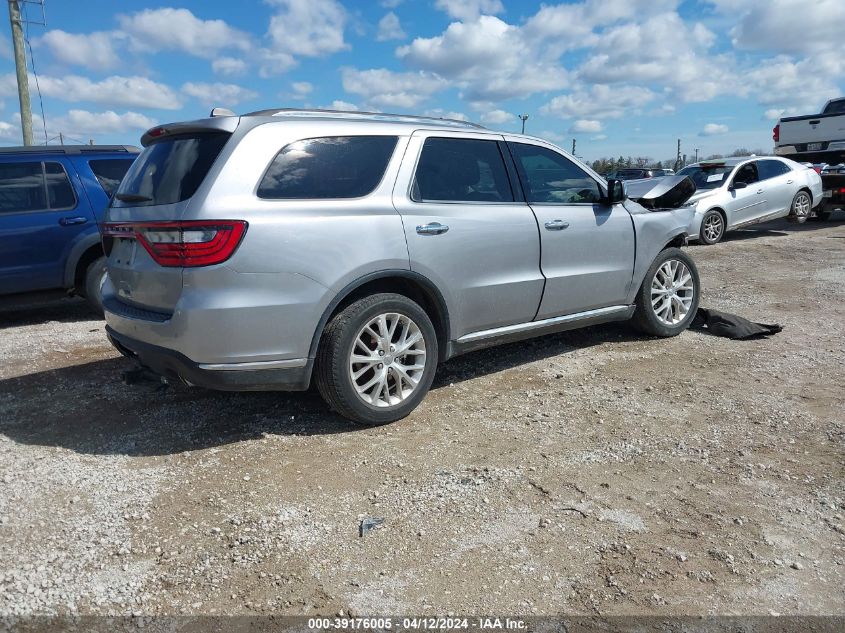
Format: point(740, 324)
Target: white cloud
point(599, 137)
point(228, 66)
point(114, 91)
point(390, 4)
point(712, 129)
point(488, 59)
point(774, 114)
point(497, 117)
point(600, 102)
point(389, 28)
point(469, 9)
point(92, 50)
point(337, 104)
point(218, 94)
point(586, 126)
point(274, 62)
point(311, 28)
point(301, 89)
point(383, 87)
point(153, 30)
point(445, 114)
point(788, 26)
point(109, 122)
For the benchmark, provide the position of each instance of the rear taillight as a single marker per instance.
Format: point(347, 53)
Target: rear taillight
point(776, 133)
point(183, 244)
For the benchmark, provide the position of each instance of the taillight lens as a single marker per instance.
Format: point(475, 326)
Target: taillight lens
point(183, 244)
point(776, 133)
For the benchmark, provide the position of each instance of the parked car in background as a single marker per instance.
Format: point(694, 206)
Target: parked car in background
point(633, 173)
point(657, 173)
point(51, 201)
point(736, 192)
point(367, 248)
point(833, 184)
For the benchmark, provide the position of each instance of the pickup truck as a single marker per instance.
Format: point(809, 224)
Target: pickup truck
point(815, 138)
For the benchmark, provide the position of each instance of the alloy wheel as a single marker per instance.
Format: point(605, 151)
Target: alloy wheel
point(672, 292)
point(713, 227)
point(801, 205)
point(387, 359)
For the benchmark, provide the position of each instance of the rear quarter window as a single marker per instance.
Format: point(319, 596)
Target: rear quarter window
point(330, 167)
point(170, 169)
point(109, 172)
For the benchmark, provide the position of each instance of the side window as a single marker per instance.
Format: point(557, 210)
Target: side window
point(462, 170)
point(59, 190)
point(550, 177)
point(747, 174)
point(22, 187)
point(109, 172)
point(771, 169)
point(327, 168)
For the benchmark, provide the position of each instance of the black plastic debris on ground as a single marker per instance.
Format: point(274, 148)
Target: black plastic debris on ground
point(370, 523)
point(731, 326)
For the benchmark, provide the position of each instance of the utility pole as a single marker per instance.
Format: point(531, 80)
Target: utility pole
point(20, 69)
point(61, 139)
point(696, 154)
point(524, 118)
point(573, 147)
point(678, 159)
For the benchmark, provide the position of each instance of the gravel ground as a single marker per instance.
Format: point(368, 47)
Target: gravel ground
point(591, 472)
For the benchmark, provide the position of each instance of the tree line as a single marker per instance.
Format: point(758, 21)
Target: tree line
point(607, 165)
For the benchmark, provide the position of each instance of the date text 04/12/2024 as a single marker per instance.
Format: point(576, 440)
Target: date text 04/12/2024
point(418, 623)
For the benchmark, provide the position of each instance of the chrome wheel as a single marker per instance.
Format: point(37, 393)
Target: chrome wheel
point(713, 227)
point(801, 205)
point(672, 292)
point(387, 359)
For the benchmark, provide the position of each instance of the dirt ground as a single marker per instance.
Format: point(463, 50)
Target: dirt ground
point(591, 472)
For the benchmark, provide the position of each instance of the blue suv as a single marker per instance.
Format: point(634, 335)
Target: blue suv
point(52, 200)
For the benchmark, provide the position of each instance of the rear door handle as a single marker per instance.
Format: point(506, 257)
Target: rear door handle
point(556, 225)
point(432, 228)
point(789, 182)
point(759, 191)
point(77, 219)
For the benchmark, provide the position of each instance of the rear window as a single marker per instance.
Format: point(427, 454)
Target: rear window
point(327, 168)
point(170, 170)
point(109, 172)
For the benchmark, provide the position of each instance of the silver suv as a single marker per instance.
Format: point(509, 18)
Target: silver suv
point(252, 252)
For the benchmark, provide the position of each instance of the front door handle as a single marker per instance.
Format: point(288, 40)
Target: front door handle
point(77, 219)
point(788, 182)
point(432, 228)
point(556, 225)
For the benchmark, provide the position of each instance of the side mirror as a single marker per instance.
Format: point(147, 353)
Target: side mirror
point(616, 191)
point(739, 185)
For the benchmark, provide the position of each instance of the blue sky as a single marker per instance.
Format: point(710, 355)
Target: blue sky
point(623, 77)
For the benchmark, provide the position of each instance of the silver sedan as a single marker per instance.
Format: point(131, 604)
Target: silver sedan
point(735, 192)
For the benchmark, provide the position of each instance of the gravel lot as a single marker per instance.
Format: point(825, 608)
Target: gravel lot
point(591, 472)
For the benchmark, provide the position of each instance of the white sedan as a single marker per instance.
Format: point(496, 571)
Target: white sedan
point(735, 192)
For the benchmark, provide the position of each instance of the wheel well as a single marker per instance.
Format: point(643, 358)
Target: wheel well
point(417, 291)
point(88, 257)
point(809, 193)
point(677, 241)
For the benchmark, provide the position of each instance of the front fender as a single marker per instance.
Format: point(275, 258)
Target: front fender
point(654, 231)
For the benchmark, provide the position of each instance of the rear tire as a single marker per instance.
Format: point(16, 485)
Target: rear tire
point(802, 206)
point(95, 274)
point(712, 227)
point(378, 387)
point(668, 298)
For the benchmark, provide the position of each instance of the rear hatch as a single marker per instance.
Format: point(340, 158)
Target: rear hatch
point(144, 236)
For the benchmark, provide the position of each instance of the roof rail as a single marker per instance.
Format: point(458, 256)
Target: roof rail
point(68, 149)
point(352, 114)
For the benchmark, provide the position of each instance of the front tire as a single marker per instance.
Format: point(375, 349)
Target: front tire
point(802, 205)
point(668, 298)
point(95, 275)
point(712, 227)
point(377, 359)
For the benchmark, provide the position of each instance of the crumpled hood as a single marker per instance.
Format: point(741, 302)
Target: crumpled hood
point(700, 195)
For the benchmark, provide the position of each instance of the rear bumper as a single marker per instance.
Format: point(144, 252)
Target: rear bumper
point(291, 375)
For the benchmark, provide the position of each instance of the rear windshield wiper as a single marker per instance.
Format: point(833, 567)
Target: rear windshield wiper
point(132, 197)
